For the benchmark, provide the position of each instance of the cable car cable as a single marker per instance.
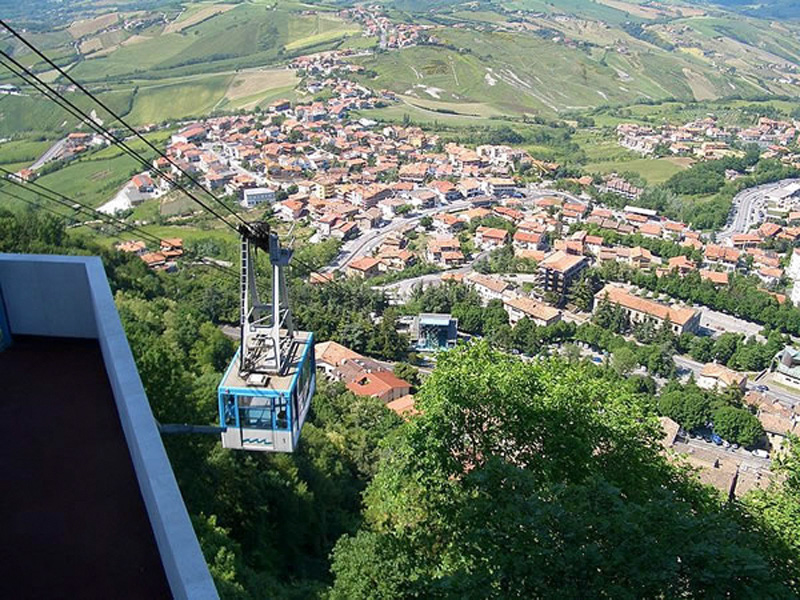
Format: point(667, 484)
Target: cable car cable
point(118, 118)
point(77, 112)
point(221, 268)
point(69, 202)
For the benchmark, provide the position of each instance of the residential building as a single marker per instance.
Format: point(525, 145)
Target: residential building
point(681, 264)
point(252, 197)
point(641, 258)
point(445, 191)
point(715, 277)
point(332, 355)
point(718, 377)
point(721, 256)
point(500, 186)
point(488, 288)
point(617, 185)
point(490, 237)
point(448, 223)
point(522, 307)
point(403, 406)
point(325, 187)
point(681, 319)
point(525, 240)
point(364, 267)
point(445, 252)
point(559, 270)
point(384, 385)
point(136, 247)
point(290, 210)
point(143, 183)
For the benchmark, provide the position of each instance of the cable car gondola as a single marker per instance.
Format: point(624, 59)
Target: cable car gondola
point(266, 391)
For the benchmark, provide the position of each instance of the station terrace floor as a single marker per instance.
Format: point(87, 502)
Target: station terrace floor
point(74, 524)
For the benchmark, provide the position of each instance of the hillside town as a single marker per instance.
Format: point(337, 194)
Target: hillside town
point(410, 210)
point(708, 139)
point(398, 198)
point(365, 301)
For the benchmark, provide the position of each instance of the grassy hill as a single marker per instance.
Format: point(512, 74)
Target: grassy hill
point(481, 59)
point(551, 57)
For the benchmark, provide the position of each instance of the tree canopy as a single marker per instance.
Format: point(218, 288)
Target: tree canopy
point(542, 480)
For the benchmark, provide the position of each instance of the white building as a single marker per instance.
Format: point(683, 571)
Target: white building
point(488, 288)
point(719, 377)
point(252, 197)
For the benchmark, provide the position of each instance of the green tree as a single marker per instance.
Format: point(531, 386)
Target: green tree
point(737, 425)
point(624, 360)
point(582, 292)
point(777, 508)
point(408, 373)
point(604, 313)
point(387, 343)
point(689, 408)
point(725, 347)
point(541, 480)
point(701, 349)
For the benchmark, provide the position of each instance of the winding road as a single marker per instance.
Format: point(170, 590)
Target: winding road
point(749, 209)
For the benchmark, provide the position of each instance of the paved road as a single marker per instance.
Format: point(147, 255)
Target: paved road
point(749, 209)
point(365, 244)
point(401, 290)
point(50, 154)
point(743, 456)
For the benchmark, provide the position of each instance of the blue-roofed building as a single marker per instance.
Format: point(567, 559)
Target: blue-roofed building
point(432, 331)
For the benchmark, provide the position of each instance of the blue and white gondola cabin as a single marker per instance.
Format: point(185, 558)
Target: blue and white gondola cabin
point(266, 392)
point(267, 414)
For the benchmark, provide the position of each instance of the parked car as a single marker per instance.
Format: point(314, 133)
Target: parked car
point(761, 388)
point(760, 453)
point(716, 439)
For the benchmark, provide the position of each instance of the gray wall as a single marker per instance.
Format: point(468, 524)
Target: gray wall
point(66, 296)
point(47, 295)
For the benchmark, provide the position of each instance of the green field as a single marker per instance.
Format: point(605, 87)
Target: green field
point(728, 112)
point(250, 34)
point(654, 170)
point(22, 151)
point(176, 101)
point(397, 113)
point(92, 182)
point(34, 115)
point(521, 73)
